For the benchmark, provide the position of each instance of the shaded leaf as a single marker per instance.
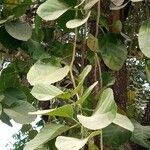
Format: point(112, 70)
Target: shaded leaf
point(113, 52)
point(13, 95)
point(115, 136)
point(49, 132)
point(19, 112)
point(19, 30)
point(141, 134)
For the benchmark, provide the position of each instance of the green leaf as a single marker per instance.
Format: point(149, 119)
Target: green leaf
point(8, 41)
point(141, 135)
point(19, 30)
point(77, 22)
point(104, 114)
point(64, 111)
point(69, 143)
point(51, 10)
point(81, 79)
point(13, 95)
point(115, 136)
point(46, 73)
point(84, 73)
point(86, 93)
point(144, 38)
point(20, 9)
point(1, 96)
point(123, 122)
point(19, 112)
point(117, 2)
point(1, 108)
point(113, 52)
point(25, 128)
point(44, 92)
point(5, 119)
point(49, 132)
point(92, 146)
point(108, 79)
point(8, 78)
point(32, 134)
point(90, 4)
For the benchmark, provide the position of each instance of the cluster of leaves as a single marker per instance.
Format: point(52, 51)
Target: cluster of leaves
point(43, 49)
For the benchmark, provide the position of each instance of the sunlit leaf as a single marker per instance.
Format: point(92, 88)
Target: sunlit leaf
point(104, 114)
point(52, 9)
point(45, 92)
point(46, 73)
point(77, 22)
point(123, 122)
point(90, 4)
point(144, 38)
point(86, 93)
point(69, 143)
point(117, 2)
point(64, 111)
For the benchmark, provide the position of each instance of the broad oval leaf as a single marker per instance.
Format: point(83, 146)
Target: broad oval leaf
point(64, 111)
point(52, 9)
point(117, 2)
point(69, 143)
point(90, 4)
point(44, 92)
point(19, 112)
point(77, 22)
point(113, 52)
point(115, 135)
point(123, 122)
point(144, 38)
point(141, 134)
point(104, 114)
point(19, 30)
point(49, 132)
point(12, 95)
point(46, 73)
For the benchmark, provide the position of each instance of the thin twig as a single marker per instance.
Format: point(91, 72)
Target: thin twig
point(73, 58)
